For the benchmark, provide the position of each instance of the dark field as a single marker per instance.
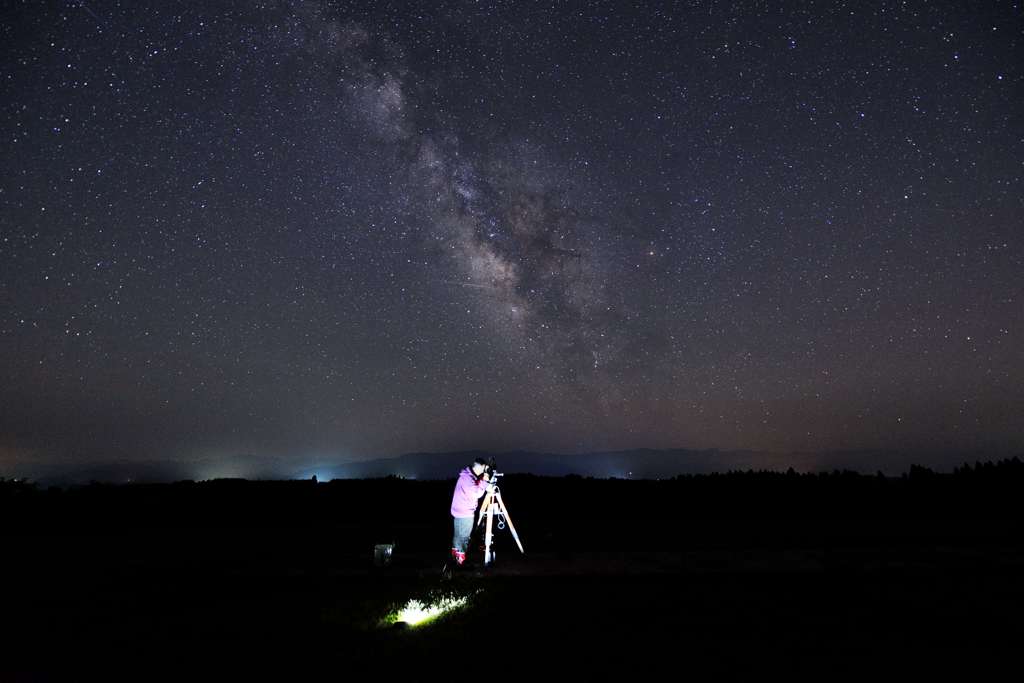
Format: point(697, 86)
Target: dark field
point(737, 576)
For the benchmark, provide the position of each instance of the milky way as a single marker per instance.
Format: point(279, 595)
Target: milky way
point(505, 215)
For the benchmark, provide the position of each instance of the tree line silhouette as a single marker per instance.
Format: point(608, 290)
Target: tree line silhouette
point(551, 512)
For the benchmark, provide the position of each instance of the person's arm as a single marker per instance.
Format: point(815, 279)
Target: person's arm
point(484, 485)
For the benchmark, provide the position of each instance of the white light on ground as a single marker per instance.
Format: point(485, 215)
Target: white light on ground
point(416, 613)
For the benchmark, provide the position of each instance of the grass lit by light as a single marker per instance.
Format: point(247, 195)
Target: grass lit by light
point(416, 613)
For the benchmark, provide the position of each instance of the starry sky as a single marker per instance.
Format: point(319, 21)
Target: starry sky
point(358, 229)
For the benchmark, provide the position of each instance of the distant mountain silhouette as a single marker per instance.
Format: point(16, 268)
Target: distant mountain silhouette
point(645, 463)
point(626, 464)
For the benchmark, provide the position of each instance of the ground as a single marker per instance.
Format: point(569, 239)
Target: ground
point(724, 611)
point(722, 578)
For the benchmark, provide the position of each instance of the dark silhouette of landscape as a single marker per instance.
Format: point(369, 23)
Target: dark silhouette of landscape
point(728, 572)
point(635, 463)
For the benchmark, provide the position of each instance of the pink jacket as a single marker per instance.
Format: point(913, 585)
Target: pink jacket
point(467, 492)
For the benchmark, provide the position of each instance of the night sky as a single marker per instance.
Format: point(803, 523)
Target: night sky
point(330, 230)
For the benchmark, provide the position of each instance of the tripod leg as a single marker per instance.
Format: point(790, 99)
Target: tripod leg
point(511, 526)
point(487, 537)
point(485, 507)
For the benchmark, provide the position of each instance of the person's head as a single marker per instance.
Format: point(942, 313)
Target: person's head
point(479, 466)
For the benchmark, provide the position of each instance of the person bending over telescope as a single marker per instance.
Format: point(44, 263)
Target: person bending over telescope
point(473, 483)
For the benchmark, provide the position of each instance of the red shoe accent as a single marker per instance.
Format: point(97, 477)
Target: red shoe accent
point(460, 557)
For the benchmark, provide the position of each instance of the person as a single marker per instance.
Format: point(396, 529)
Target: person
point(472, 484)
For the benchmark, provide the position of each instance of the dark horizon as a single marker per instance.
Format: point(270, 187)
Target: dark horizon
point(320, 232)
point(626, 464)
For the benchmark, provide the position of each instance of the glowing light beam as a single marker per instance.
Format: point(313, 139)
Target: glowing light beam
point(416, 613)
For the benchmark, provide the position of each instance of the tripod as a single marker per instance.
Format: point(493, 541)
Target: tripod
point(494, 507)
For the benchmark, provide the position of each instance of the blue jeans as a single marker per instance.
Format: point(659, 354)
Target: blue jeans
point(463, 528)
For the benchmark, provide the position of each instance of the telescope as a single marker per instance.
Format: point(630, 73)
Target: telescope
point(494, 510)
